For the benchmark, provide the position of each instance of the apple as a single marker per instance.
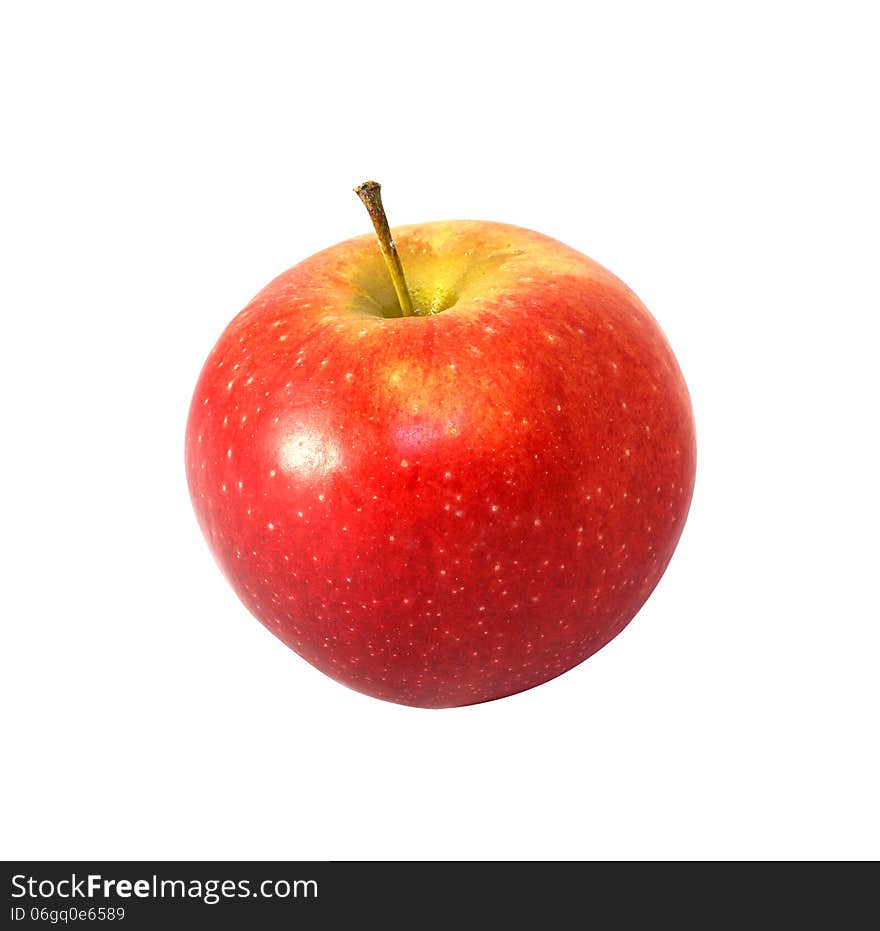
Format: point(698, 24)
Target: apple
point(446, 470)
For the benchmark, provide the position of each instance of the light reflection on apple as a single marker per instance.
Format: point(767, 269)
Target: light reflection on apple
point(414, 436)
point(310, 453)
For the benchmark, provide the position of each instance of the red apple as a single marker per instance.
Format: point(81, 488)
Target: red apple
point(457, 504)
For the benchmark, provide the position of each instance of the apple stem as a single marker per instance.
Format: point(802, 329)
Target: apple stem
point(370, 193)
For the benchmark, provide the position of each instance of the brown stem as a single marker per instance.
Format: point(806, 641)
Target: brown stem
point(370, 193)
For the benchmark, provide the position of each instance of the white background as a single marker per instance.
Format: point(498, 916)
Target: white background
point(163, 161)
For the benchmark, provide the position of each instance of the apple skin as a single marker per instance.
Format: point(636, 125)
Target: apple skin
point(443, 509)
